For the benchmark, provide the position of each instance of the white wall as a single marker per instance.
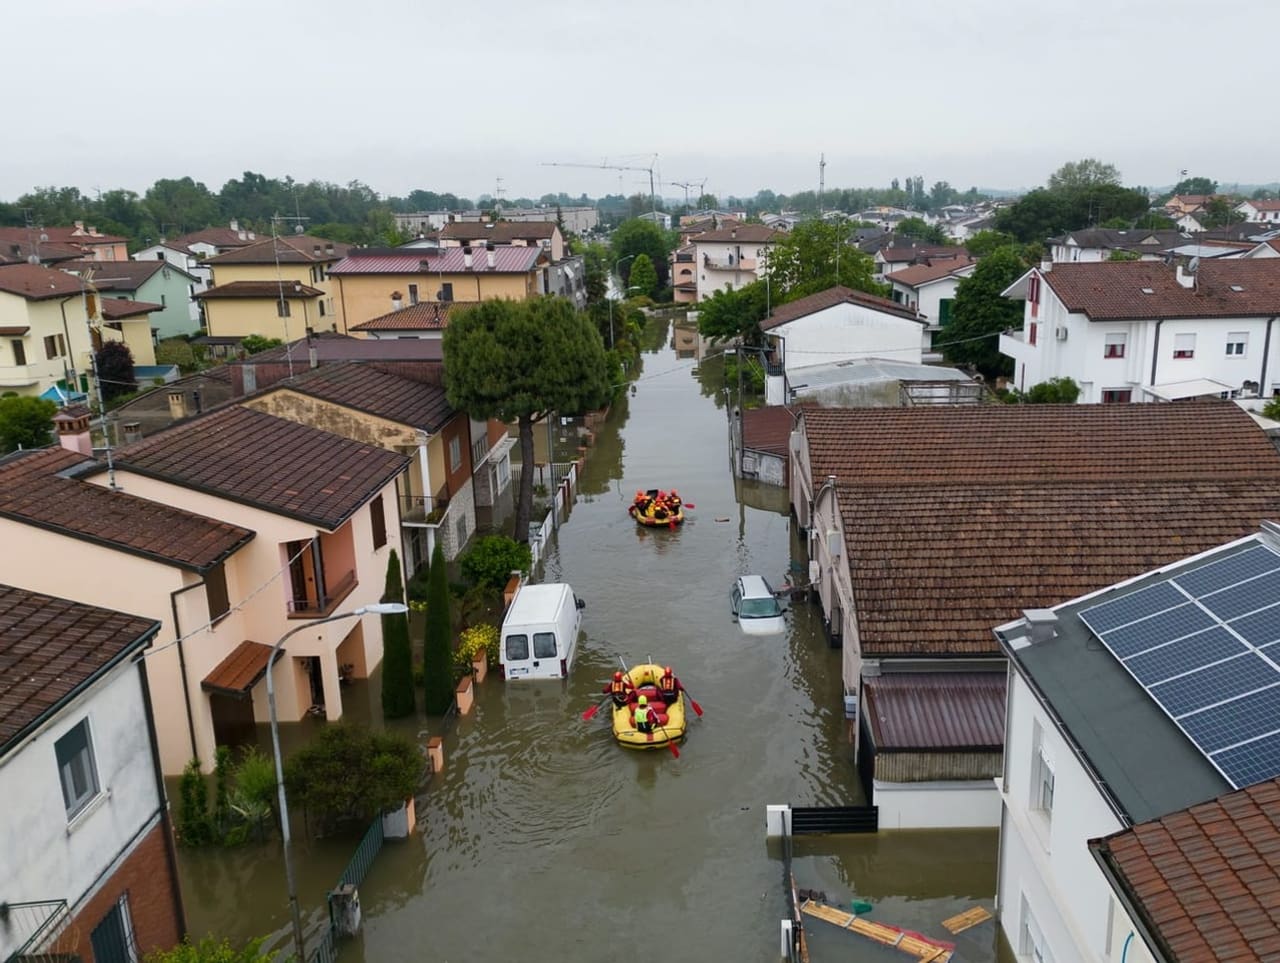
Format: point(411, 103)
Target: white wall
point(44, 856)
point(718, 278)
point(847, 331)
point(937, 805)
point(1047, 861)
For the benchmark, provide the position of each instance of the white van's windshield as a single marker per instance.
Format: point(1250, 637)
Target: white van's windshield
point(517, 648)
point(544, 645)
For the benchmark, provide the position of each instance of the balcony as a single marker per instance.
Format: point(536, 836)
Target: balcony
point(325, 602)
point(422, 509)
point(728, 263)
point(39, 930)
point(18, 375)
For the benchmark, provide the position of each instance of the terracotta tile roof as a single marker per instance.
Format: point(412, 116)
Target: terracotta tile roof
point(292, 290)
point(217, 236)
point(829, 298)
point(1265, 204)
point(740, 233)
point(294, 249)
point(509, 259)
point(919, 252)
point(376, 392)
point(331, 347)
point(1205, 881)
point(423, 316)
point(767, 429)
point(37, 283)
point(934, 569)
point(503, 232)
point(936, 710)
point(51, 649)
point(240, 670)
point(118, 275)
point(78, 235)
point(33, 492)
point(270, 463)
point(117, 309)
point(1118, 290)
point(918, 274)
point(973, 444)
point(19, 243)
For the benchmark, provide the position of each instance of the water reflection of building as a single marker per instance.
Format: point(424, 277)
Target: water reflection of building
point(686, 340)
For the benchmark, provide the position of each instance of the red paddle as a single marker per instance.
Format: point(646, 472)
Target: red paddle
point(670, 742)
point(591, 713)
point(694, 702)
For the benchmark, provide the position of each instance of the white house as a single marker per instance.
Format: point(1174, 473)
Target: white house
point(660, 218)
point(1143, 331)
point(1093, 750)
point(1098, 244)
point(930, 289)
point(731, 257)
point(1260, 211)
point(90, 870)
point(899, 255)
point(838, 324)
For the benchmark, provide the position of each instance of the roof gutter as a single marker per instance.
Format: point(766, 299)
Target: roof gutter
point(1135, 913)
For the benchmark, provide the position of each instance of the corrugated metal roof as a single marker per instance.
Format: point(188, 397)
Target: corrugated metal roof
point(936, 710)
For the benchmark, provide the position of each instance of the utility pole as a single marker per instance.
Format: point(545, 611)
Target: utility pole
point(283, 308)
point(822, 180)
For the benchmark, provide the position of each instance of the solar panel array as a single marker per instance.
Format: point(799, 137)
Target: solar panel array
point(1205, 644)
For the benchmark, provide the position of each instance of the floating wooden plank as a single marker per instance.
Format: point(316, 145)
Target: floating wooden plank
point(963, 921)
point(921, 947)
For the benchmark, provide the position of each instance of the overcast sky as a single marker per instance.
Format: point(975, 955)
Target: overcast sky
point(451, 96)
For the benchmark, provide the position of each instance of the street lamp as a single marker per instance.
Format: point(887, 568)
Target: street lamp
point(377, 608)
point(616, 265)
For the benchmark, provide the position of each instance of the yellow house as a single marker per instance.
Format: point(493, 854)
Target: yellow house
point(276, 288)
point(372, 281)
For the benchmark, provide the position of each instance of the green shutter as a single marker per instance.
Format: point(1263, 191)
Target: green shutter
point(944, 311)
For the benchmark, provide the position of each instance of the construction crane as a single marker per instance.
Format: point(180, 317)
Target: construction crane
point(653, 202)
point(700, 185)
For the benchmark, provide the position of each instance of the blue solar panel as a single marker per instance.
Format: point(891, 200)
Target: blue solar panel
point(1215, 683)
point(1129, 608)
point(1251, 763)
point(1260, 628)
point(1157, 629)
point(1185, 655)
point(1246, 597)
point(1246, 718)
point(1228, 571)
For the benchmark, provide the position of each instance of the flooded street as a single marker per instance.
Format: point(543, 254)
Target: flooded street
point(542, 840)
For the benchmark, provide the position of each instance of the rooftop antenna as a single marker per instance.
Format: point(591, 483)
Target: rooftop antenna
point(822, 180)
point(283, 305)
point(91, 309)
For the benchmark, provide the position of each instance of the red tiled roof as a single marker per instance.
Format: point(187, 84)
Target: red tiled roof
point(767, 429)
point(76, 235)
point(19, 243)
point(934, 569)
point(509, 259)
point(918, 274)
point(270, 463)
point(911, 253)
point(240, 670)
point(1022, 444)
point(1205, 880)
point(291, 290)
point(216, 236)
point(829, 298)
point(376, 392)
point(1265, 204)
point(423, 316)
point(936, 710)
point(37, 283)
point(294, 249)
point(118, 275)
point(503, 232)
point(33, 492)
point(117, 309)
point(331, 347)
point(1117, 290)
point(52, 648)
point(741, 233)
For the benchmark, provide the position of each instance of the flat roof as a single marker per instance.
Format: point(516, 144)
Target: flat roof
point(1146, 764)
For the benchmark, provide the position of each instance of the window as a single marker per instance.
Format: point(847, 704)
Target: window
point(413, 294)
point(54, 346)
point(1117, 396)
point(517, 648)
point(504, 474)
point(1041, 774)
point(460, 530)
point(321, 303)
point(1114, 347)
point(944, 311)
point(378, 518)
point(1031, 942)
point(455, 453)
point(215, 592)
point(446, 291)
point(112, 939)
point(1184, 345)
point(1237, 344)
point(544, 645)
point(282, 309)
point(76, 767)
point(19, 351)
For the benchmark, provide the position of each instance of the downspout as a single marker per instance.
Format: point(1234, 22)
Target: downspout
point(342, 299)
point(170, 852)
point(182, 663)
point(1155, 351)
point(71, 357)
point(1266, 351)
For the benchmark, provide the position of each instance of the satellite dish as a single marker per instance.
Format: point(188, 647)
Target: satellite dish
point(33, 259)
point(297, 229)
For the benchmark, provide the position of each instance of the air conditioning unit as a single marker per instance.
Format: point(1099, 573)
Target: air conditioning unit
point(1060, 332)
point(834, 543)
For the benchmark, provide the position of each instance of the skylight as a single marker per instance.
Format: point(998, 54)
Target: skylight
point(1148, 290)
point(1237, 287)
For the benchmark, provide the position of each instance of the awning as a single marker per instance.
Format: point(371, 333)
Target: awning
point(13, 330)
point(240, 671)
point(1195, 388)
point(62, 396)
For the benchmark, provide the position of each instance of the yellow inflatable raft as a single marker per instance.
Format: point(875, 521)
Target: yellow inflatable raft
point(670, 723)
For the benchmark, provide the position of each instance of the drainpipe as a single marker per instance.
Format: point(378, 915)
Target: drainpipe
point(71, 355)
point(1266, 351)
point(182, 662)
point(342, 299)
point(1155, 352)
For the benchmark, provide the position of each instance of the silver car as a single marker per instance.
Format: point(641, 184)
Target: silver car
point(755, 606)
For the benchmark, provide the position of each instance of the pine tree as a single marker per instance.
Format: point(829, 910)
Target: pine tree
point(397, 659)
point(437, 657)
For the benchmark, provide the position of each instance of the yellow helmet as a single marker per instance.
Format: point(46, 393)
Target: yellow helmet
point(643, 700)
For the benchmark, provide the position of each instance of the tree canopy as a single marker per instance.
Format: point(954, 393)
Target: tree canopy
point(635, 237)
point(644, 278)
point(1089, 172)
point(520, 360)
point(916, 227)
point(814, 256)
point(981, 313)
point(115, 370)
point(25, 422)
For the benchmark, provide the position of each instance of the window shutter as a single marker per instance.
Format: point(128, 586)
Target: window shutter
point(378, 518)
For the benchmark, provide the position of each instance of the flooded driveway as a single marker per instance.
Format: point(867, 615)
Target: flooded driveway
point(543, 840)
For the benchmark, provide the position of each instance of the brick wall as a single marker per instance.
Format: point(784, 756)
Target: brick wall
point(145, 874)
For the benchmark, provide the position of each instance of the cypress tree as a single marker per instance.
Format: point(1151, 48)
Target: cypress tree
point(397, 659)
point(437, 655)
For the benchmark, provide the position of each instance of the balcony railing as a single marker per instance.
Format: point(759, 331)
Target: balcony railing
point(729, 263)
point(38, 929)
point(422, 509)
point(18, 375)
point(326, 602)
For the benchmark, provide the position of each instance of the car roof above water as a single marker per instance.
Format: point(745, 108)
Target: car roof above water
point(754, 586)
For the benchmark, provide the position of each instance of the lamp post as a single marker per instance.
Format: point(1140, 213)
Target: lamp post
point(616, 265)
point(378, 608)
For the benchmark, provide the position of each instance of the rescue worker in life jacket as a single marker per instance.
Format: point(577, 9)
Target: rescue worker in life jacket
point(620, 689)
point(644, 715)
point(669, 686)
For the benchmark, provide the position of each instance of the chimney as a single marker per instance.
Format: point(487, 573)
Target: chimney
point(195, 397)
point(491, 254)
point(1046, 266)
point(1185, 278)
point(397, 301)
point(313, 359)
point(733, 233)
point(315, 250)
point(79, 227)
point(177, 405)
point(1042, 625)
point(72, 426)
point(466, 258)
point(132, 432)
point(328, 249)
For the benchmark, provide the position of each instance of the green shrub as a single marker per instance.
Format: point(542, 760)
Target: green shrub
point(352, 774)
point(210, 950)
point(1272, 409)
point(492, 559)
point(194, 825)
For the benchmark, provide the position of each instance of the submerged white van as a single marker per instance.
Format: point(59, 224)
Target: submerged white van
point(540, 632)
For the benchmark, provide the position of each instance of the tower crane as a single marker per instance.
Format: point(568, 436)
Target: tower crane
point(700, 185)
point(653, 203)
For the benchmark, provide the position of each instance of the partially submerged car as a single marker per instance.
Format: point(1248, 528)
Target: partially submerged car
point(755, 606)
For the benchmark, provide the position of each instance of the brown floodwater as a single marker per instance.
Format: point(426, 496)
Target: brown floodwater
point(542, 840)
